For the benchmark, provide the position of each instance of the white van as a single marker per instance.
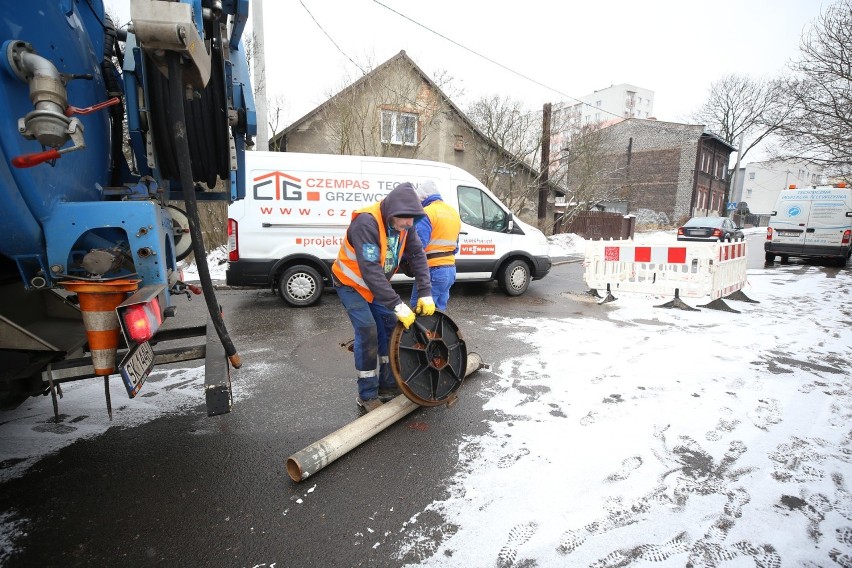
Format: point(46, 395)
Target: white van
point(287, 231)
point(811, 222)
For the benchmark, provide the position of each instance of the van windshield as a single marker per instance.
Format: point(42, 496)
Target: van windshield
point(479, 210)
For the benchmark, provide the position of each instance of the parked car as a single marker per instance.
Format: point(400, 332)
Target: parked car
point(709, 229)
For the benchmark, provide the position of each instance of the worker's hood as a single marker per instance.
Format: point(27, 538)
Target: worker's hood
point(402, 202)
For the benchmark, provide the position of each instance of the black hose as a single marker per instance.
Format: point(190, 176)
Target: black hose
point(176, 97)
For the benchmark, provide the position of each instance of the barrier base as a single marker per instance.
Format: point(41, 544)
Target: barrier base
point(609, 298)
point(739, 296)
point(594, 293)
point(678, 303)
point(719, 304)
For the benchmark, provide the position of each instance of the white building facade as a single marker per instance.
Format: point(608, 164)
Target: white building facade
point(602, 108)
point(760, 183)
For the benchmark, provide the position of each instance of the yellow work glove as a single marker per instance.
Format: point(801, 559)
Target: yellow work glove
point(425, 306)
point(404, 314)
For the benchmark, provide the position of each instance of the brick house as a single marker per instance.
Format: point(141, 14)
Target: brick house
point(397, 110)
point(665, 172)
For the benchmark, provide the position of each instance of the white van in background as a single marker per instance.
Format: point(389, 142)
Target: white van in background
point(287, 232)
point(813, 222)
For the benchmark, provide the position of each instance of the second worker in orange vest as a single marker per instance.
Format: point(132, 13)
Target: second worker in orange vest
point(439, 232)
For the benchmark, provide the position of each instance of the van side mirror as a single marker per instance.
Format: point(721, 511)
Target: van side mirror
point(510, 226)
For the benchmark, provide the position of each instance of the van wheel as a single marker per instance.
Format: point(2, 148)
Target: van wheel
point(514, 278)
point(300, 286)
point(770, 258)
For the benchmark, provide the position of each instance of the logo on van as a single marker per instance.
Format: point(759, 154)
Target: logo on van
point(794, 211)
point(285, 187)
point(477, 249)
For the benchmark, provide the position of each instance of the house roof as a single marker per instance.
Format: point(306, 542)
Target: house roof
point(653, 121)
point(402, 56)
point(719, 139)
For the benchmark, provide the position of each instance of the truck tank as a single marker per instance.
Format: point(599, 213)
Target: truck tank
point(103, 130)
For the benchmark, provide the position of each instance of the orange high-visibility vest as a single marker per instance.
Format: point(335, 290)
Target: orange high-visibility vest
point(346, 268)
point(446, 225)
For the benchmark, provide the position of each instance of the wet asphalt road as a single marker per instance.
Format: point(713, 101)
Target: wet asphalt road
point(188, 490)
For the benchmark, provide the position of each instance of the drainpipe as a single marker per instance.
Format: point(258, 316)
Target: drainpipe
point(313, 458)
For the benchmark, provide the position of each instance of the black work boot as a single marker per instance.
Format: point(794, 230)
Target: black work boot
point(370, 404)
point(388, 393)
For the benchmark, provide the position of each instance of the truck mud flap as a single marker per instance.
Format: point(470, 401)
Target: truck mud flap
point(217, 375)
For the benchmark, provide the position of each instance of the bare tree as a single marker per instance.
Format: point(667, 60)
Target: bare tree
point(517, 136)
point(820, 127)
point(738, 105)
point(276, 109)
point(588, 167)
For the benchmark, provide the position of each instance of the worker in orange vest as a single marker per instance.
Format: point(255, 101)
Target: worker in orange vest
point(376, 239)
point(439, 232)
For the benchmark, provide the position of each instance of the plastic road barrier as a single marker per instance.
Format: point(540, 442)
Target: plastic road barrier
point(690, 269)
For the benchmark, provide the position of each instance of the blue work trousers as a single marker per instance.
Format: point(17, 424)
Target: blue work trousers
point(373, 324)
point(443, 278)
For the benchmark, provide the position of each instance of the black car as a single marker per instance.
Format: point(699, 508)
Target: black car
point(709, 229)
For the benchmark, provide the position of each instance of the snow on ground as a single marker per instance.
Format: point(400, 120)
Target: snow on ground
point(217, 262)
point(663, 437)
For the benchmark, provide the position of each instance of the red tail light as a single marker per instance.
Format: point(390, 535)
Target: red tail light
point(768, 233)
point(680, 230)
point(142, 320)
point(847, 234)
point(233, 241)
point(717, 232)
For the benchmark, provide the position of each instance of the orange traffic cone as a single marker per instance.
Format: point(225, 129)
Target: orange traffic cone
point(98, 301)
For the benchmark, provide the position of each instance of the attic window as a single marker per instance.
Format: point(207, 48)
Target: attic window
point(399, 128)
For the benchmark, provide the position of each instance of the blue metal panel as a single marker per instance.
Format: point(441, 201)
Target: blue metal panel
point(143, 225)
point(30, 195)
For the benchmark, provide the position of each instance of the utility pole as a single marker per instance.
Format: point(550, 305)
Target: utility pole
point(262, 141)
point(733, 187)
point(543, 190)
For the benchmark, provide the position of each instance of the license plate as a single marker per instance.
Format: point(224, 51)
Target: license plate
point(135, 367)
point(789, 233)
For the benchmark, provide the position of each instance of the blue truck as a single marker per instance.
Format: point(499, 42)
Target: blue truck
point(105, 128)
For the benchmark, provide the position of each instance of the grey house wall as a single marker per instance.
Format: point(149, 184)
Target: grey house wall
point(660, 176)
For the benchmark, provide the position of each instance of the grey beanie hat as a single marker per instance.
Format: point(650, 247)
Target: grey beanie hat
point(426, 188)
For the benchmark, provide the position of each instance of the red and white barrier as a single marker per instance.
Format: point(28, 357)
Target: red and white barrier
point(693, 269)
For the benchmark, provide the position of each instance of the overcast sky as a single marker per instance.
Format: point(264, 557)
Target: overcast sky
point(565, 49)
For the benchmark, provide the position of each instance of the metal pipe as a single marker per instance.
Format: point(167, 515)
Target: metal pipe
point(313, 458)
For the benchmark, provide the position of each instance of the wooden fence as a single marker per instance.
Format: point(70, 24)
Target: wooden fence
point(599, 225)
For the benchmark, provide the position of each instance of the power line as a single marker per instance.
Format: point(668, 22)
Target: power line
point(330, 38)
point(510, 70)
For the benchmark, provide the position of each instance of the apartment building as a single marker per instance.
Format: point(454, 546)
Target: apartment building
point(603, 108)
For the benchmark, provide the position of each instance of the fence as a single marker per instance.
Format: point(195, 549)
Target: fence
point(599, 225)
point(696, 270)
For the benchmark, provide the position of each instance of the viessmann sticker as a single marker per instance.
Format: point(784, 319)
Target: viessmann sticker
point(477, 249)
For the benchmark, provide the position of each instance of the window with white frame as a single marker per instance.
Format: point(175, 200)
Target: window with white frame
point(399, 128)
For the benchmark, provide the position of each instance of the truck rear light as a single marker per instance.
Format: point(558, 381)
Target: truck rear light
point(141, 321)
point(768, 233)
point(233, 241)
point(847, 234)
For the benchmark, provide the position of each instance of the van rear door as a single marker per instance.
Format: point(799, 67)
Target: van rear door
point(828, 218)
point(790, 220)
